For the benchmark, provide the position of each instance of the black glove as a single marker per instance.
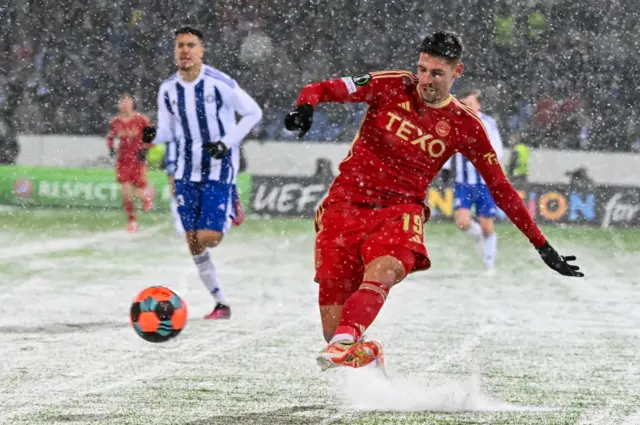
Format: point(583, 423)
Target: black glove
point(112, 152)
point(217, 149)
point(148, 134)
point(299, 119)
point(445, 175)
point(558, 262)
point(142, 155)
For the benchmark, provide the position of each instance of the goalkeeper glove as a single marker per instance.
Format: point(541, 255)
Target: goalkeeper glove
point(216, 149)
point(299, 119)
point(557, 262)
point(148, 134)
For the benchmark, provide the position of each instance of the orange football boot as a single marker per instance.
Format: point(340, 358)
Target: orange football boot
point(355, 355)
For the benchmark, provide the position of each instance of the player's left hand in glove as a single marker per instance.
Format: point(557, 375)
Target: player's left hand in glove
point(300, 119)
point(559, 263)
point(142, 155)
point(112, 152)
point(148, 134)
point(217, 149)
point(445, 175)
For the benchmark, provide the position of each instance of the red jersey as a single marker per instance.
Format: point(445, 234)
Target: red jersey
point(403, 142)
point(129, 131)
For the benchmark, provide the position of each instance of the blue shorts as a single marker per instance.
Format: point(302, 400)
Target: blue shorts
point(205, 205)
point(467, 195)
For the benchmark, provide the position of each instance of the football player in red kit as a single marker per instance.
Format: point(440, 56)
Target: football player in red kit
point(131, 170)
point(370, 226)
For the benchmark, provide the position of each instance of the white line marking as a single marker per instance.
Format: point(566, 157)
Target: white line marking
point(68, 244)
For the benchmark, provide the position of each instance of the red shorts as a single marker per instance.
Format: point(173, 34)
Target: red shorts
point(136, 174)
point(349, 237)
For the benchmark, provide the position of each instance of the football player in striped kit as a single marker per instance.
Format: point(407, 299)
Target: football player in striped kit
point(197, 109)
point(471, 190)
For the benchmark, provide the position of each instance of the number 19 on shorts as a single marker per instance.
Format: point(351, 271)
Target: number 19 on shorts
point(413, 222)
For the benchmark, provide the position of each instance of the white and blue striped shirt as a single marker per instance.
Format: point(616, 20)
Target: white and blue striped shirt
point(191, 114)
point(466, 173)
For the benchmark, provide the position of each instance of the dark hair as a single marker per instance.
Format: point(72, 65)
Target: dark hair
point(189, 30)
point(443, 44)
point(471, 92)
point(126, 94)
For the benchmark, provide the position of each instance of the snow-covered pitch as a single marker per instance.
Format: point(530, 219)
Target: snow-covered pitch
point(525, 346)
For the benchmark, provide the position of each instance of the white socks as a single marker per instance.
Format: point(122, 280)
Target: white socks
point(209, 277)
point(486, 245)
point(490, 247)
point(342, 338)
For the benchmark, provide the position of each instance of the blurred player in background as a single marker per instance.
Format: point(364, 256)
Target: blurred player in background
point(370, 231)
point(131, 171)
point(470, 189)
point(197, 110)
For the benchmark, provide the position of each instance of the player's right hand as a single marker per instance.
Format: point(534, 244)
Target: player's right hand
point(216, 149)
point(559, 263)
point(112, 152)
point(299, 119)
point(148, 134)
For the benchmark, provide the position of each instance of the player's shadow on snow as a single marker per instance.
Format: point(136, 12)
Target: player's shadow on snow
point(285, 416)
point(60, 328)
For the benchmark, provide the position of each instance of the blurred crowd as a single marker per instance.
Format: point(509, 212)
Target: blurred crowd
point(555, 74)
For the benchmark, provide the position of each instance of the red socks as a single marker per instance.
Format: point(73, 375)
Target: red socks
point(128, 208)
point(361, 308)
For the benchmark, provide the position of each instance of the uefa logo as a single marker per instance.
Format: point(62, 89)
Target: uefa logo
point(22, 188)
